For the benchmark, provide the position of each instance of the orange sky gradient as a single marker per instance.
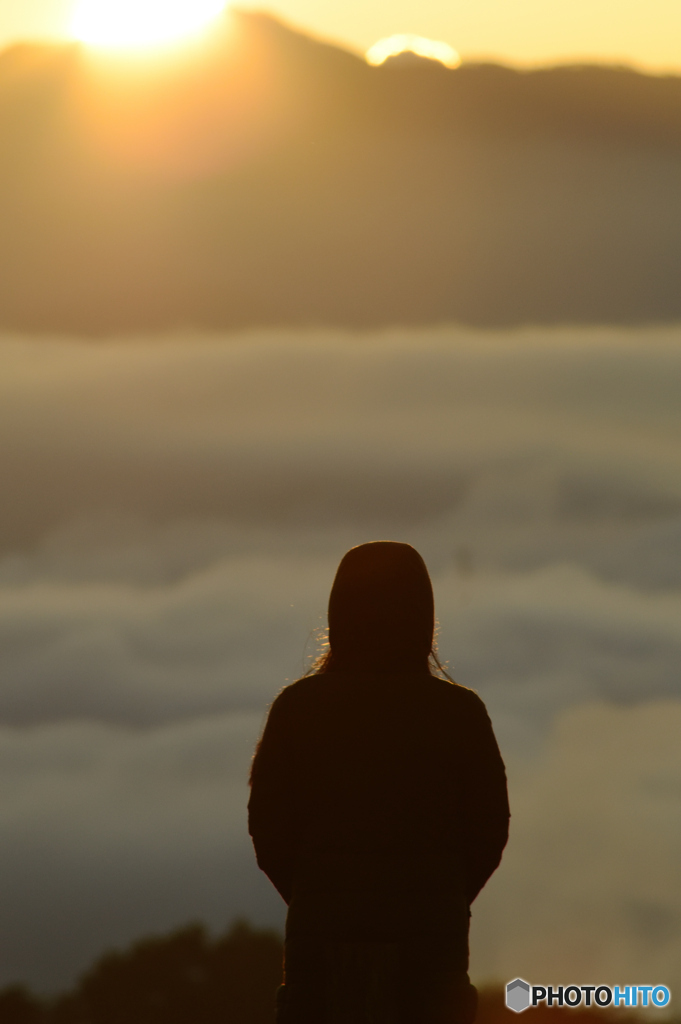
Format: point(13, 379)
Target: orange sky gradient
point(647, 35)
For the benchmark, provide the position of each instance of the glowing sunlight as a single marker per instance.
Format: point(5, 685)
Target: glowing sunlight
point(141, 23)
point(433, 49)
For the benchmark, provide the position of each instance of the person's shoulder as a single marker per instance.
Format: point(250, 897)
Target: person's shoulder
point(459, 696)
point(298, 691)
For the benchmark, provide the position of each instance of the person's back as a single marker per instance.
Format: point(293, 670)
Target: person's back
point(378, 804)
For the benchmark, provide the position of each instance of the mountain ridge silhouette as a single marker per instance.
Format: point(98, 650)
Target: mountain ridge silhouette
point(280, 180)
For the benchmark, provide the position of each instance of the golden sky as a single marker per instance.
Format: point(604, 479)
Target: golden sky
point(641, 32)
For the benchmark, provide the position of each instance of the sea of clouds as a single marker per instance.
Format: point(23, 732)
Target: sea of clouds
point(173, 512)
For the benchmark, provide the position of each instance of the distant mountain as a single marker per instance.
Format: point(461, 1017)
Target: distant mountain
point(280, 180)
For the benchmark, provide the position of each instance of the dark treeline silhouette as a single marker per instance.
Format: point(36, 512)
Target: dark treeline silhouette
point(188, 978)
point(183, 978)
point(281, 180)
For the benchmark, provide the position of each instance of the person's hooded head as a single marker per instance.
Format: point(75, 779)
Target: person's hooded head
point(381, 610)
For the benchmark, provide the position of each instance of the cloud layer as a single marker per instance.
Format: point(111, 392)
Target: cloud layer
point(173, 514)
point(591, 887)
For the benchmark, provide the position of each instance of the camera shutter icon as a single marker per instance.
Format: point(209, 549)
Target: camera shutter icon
point(518, 995)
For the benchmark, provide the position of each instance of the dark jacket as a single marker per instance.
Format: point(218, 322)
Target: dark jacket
point(378, 803)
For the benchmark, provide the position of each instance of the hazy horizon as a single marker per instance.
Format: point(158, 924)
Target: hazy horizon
point(273, 181)
point(522, 32)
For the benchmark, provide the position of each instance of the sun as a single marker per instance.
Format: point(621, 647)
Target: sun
point(434, 49)
point(124, 24)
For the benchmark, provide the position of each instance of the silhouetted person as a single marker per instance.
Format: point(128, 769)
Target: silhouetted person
point(378, 809)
